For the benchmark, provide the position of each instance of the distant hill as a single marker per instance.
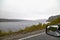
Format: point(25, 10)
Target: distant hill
point(11, 20)
point(53, 18)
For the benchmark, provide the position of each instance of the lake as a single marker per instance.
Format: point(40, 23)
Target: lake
point(14, 26)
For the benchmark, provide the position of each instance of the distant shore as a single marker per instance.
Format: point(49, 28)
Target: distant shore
point(11, 20)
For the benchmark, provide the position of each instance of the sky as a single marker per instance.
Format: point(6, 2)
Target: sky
point(29, 9)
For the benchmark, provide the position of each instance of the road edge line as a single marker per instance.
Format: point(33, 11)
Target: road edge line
point(31, 36)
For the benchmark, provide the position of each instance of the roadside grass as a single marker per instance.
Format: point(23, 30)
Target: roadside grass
point(33, 28)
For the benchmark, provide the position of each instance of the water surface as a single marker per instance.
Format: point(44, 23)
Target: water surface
point(14, 26)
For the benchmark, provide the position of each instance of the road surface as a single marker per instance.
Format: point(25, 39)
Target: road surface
point(41, 36)
point(37, 35)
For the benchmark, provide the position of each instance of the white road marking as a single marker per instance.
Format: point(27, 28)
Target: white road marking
point(31, 36)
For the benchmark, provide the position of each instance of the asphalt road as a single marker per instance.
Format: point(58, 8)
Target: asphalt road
point(42, 36)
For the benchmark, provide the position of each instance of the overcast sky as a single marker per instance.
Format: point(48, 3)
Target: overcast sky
point(29, 9)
